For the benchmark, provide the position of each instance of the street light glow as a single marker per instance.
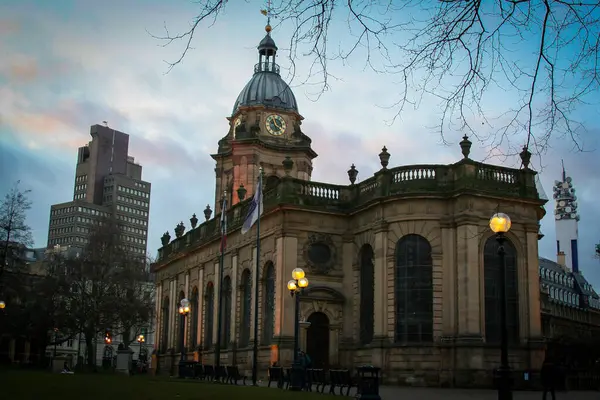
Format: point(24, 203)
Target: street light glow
point(500, 223)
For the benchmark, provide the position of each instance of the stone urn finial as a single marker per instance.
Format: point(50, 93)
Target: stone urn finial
point(165, 239)
point(179, 229)
point(384, 157)
point(194, 221)
point(207, 212)
point(525, 157)
point(241, 192)
point(288, 164)
point(352, 174)
point(465, 146)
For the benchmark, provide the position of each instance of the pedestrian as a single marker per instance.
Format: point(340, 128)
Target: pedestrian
point(549, 377)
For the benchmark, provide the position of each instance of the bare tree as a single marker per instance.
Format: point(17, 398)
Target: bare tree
point(459, 52)
point(103, 287)
point(15, 233)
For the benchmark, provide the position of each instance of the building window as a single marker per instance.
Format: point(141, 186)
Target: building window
point(195, 304)
point(226, 317)
point(246, 299)
point(492, 271)
point(209, 311)
point(268, 304)
point(414, 290)
point(367, 294)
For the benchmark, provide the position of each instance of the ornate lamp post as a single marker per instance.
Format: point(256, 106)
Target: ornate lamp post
point(2, 305)
point(500, 224)
point(296, 286)
point(140, 339)
point(184, 310)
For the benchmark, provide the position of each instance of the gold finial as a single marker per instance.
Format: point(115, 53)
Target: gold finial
point(267, 13)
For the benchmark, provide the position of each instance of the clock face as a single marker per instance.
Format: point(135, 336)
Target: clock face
point(275, 124)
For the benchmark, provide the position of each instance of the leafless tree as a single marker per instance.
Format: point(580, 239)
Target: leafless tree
point(105, 287)
point(460, 52)
point(15, 233)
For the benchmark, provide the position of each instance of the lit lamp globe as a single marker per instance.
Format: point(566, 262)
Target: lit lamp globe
point(184, 306)
point(291, 285)
point(302, 283)
point(298, 273)
point(500, 223)
point(2, 305)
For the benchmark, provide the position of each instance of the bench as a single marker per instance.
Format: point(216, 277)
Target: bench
point(221, 374)
point(208, 372)
point(318, 377)
point(341, 378)
point(187, 369)
point(233, 375)
point(276, 375)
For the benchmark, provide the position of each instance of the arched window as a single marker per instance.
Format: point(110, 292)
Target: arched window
point(209, 312)
point(245, 307)
point(165, 324)
point(367, 294)
point(226, 317)
point(492, 272)
point(268, 321)
point(414, 290)
point(195, 305)
point(551, 293)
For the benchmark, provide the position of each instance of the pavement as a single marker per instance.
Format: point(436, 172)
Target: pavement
point(417, 393)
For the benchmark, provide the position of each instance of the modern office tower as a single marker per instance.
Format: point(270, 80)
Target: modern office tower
point(567, 219)
point(108, 183)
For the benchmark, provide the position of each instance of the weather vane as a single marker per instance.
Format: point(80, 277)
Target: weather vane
point(267, 13)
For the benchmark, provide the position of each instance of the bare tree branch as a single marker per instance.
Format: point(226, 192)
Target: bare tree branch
point(462, 53)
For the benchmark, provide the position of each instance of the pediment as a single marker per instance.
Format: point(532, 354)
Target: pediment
point(324, 293)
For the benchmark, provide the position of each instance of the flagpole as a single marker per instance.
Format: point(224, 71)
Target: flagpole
point(256, 282)
point(220, 300)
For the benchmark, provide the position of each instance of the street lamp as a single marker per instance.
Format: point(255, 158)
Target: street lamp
point(500, 224)
point(184, 310)
point(296, 286)
point(2, 305)
point(55, 340)
point(140, 339)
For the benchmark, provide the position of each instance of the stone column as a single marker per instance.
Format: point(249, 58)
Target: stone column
point(200, 304)
point(287, 260)
point(469, 275)
point(187, 325)
point(350, 283)
point(217, 291)
point(172, 313)
point(334, 343)
point(449, 281)
point(253, 275)
point(158, 312)
point(234, 296)
point(381, 283)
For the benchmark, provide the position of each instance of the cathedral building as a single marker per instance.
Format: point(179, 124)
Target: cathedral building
point(402, 267)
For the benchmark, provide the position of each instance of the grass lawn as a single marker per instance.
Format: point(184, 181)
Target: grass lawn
point(25, 385)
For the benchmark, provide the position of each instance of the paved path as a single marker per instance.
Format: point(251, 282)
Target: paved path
point(410, 393)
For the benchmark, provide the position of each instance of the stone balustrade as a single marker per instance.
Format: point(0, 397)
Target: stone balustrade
point(466, 176)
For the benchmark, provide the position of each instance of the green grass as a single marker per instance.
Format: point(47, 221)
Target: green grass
point(25, 385)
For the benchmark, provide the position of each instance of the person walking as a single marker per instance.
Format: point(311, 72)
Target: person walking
point(549, 377)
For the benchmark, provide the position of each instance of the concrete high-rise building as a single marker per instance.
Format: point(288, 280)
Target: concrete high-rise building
point(108, 183)
point(567, 219)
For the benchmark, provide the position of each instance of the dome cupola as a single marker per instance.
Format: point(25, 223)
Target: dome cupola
point(266, 87)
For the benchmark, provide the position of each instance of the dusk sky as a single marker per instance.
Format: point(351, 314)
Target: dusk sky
point(66, 65)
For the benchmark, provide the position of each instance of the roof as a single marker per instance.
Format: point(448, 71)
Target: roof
point(567, 287)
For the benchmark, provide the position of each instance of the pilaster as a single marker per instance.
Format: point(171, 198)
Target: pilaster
point(201, 305)
point(531, 288)
point(217, 291)
point(234, 296)
point(348, 282)
point(469, 275)
point(449, 281)
point(382, 286)
point(287, 260)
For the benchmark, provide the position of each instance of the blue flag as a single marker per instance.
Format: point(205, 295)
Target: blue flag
point(256, 208)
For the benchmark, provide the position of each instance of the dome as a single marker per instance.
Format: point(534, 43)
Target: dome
point(268, 89)
point(266, 86)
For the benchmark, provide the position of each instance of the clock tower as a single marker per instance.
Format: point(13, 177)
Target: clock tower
point(567, 218)
point(264, 131)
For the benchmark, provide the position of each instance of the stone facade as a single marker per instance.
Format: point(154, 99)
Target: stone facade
point(395, 263)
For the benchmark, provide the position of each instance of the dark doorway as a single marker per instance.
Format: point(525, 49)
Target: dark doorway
point(317, 340)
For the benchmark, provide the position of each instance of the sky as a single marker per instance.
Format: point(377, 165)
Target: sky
point(66, 65)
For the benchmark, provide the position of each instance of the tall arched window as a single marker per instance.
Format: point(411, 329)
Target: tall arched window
point(209, 312)
point(367, 294)
point(414, 290)
point(226, 317)
point(245, 307)
point(195, 304)
point(165, 324)
point(492, 272)
point(268, 321)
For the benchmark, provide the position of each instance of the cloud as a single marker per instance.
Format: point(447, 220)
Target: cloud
point(99, 64)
